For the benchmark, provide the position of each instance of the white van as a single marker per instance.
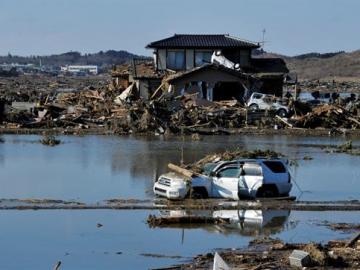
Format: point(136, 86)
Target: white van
point(259, 101)
point(235, 180)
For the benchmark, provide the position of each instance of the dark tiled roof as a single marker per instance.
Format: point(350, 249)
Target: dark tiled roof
point(268, 65)
point(221, 68)
point(202, 41)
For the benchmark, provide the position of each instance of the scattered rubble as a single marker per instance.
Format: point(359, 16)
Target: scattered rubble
point(330, 86)
point(345, 227)
point(50, 140)
point(274, 254)
point(328, 116)
point(231, 155)
point(188, 204)
point(299, 258)
point(99, 103)
point(154, 255)
point(346, 148)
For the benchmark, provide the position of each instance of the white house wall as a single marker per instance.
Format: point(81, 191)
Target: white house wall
point(189, 59)
point(161, 59)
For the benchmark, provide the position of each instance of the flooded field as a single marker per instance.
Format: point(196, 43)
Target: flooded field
point(95, 168)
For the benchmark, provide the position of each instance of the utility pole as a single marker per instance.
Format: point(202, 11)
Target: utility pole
point(263, 38)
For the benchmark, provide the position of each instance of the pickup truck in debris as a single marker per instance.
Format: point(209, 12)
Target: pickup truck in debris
point(237, 179)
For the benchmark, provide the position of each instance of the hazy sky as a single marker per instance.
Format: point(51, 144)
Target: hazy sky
point(33, 27)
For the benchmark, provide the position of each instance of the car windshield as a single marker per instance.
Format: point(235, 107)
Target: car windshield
point(208, 168)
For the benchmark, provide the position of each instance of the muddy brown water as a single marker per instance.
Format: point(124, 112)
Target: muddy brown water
point(95, 168)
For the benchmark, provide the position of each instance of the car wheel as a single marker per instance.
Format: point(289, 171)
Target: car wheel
point(254, 107)
point(267, 192)
point(282, 113)
point(198, 193)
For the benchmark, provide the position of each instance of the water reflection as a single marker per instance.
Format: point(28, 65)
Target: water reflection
point(243, 222)
point(38, 239)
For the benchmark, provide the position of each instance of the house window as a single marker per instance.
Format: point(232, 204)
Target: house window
point(175, 60)
point(244, 58)
point(202, 58)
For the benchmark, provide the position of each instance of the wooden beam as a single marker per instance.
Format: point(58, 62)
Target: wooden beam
point(187, 173)
point(284, 121)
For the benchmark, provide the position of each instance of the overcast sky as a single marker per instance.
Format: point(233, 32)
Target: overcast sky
point(40, 27)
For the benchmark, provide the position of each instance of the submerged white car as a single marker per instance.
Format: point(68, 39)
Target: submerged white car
point(236, 179)
point(259, 101)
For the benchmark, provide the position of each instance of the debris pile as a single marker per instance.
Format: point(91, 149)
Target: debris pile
point(232, 155)
point(73, 104)
point(275, 254)
point(331, 86)
point(328, 116)
point(50, 140)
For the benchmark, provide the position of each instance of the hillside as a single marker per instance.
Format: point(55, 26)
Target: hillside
point(340, 65)
point(327, 66)
point(101, 58)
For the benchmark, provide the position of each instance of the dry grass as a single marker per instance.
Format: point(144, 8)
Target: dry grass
point(341, 67)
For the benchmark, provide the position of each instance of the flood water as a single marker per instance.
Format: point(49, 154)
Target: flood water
point(95, 168)
point(38, 239)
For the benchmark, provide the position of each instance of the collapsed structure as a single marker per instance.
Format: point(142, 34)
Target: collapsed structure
point(215, 67)
point(195, 84)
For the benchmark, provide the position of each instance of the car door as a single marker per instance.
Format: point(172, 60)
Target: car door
point(226, 181)
point(252, 179)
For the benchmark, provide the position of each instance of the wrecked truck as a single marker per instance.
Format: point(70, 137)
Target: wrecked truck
point(247, 178)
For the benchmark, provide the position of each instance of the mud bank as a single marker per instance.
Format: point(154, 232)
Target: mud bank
point(201, 131)
point(189, 204)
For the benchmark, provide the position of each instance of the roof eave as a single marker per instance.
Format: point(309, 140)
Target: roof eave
point(232, 72)
point(202, 47)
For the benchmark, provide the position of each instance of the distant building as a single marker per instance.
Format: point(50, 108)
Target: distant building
point(19, 68)
point(76, 69)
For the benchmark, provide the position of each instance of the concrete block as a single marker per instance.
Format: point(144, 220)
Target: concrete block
point(299, 258)
point(219, 263)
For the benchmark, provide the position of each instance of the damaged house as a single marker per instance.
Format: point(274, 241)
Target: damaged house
point(215, 67)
